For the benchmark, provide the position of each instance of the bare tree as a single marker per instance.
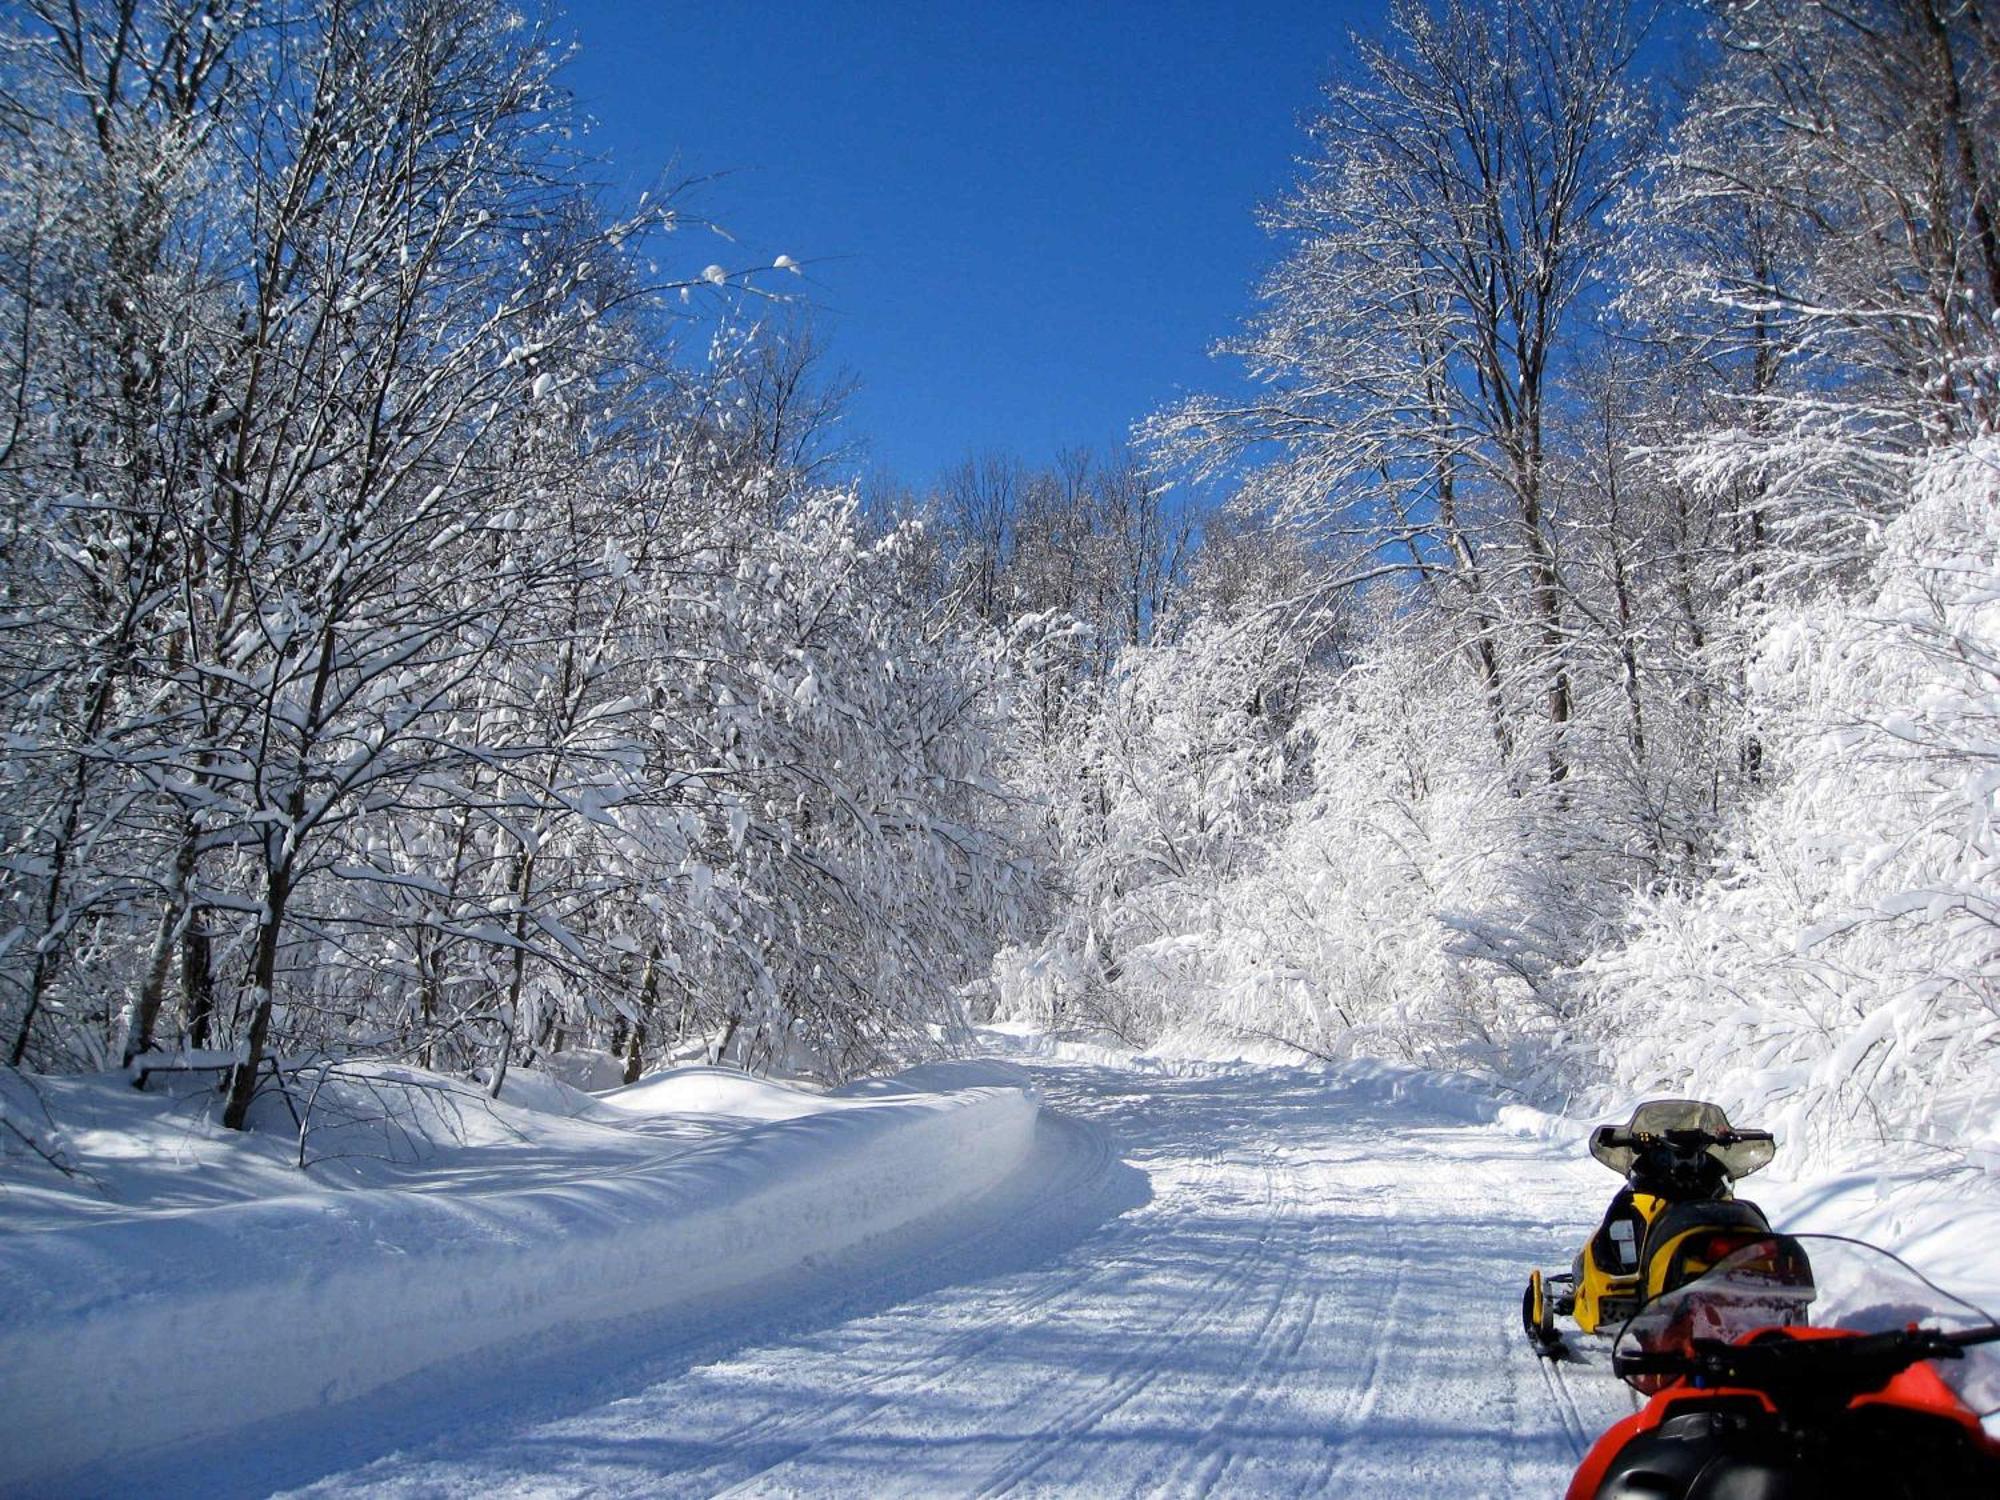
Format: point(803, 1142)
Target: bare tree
point(1821, 235)
point(978, 501)
point(787, 403)
point(1441, 246)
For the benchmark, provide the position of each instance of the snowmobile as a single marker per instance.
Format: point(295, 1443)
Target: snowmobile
point(1876, 1395)
point(1675, 1217)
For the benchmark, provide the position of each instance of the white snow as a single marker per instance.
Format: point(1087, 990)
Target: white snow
point(713, 1091)
point(1181, 1277)
point(131, 1328)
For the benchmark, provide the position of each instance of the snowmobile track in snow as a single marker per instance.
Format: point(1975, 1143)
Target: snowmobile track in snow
point(1580, 1435)
point(1080, 1170)
point(1215, 1297)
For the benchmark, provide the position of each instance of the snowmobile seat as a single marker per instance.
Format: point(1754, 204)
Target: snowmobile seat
point(1679, 1218)
point(1728, 1213)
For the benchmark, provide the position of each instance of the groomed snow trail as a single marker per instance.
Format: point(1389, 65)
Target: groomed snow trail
point(1243, 1281)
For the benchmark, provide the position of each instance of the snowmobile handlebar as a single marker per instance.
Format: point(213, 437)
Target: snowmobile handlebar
point(1788, 1368)
point(1687, 1140)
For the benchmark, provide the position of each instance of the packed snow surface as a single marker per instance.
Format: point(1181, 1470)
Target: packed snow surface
point(1189, 1279)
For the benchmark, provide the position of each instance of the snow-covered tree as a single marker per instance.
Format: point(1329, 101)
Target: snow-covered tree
point(1840, 978)
point(1821, 236)
point(1164, 785)
point(408, 638)
point(1439, 250)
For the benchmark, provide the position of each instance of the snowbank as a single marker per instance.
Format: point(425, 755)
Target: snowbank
point(139, 1330)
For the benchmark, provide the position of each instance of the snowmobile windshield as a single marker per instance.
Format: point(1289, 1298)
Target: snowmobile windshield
point(1661, 1116)
point(1689, 1124)
point(1744, 1153)
point(1818, 1281)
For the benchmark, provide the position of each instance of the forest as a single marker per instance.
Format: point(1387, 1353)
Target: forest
point(439, 621)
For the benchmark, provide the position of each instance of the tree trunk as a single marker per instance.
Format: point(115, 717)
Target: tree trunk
point(197, 979)
point(728, 1036)
point(243, 1080)
point(632, 1053)
point(524, 880)
point(145, 1010)
point(49, 947)
point(1546, 595)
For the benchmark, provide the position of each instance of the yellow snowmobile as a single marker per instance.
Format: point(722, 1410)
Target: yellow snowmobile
point(1675, 1217)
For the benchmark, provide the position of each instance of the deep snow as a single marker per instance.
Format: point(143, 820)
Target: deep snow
point(134, 1320)
point(1189, 1278)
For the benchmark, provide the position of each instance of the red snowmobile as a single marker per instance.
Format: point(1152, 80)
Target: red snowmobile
point(1799, 1366)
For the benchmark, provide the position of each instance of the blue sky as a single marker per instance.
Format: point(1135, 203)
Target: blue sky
point(1024, 222)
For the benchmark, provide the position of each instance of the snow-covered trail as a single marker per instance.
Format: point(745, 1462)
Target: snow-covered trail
point(1238, 1282)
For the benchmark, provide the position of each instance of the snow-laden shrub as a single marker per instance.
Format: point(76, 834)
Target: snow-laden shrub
point(1421, 903)
point(1842, 982)
point(1171, 776)
point(1358, 876)
point(1334, 941)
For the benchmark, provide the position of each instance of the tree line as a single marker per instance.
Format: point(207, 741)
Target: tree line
point(426, 629)
point(1619, 449)
point(433, 629)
